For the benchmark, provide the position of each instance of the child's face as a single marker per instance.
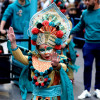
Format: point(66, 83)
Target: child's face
point(45, 51)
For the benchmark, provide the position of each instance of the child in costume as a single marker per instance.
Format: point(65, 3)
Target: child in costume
point(49, 28)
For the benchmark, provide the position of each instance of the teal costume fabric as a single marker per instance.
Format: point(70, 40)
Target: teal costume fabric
point(72, 55)
point(26, 85)
point(72, 52)
point(91, 22)
point(67, 88)
point(52, 91)
point(19, 14)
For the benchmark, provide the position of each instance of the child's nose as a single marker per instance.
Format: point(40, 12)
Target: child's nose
point(46, 53)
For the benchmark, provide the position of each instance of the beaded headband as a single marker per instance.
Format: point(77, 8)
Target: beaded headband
point(49, 26)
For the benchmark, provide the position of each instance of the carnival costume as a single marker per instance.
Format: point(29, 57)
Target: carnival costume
point(50, 27)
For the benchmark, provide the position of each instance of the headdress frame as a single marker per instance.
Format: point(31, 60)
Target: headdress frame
point(53, 15)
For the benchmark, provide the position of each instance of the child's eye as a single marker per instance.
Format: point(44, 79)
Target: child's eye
point(42, 52)
point(49, 51)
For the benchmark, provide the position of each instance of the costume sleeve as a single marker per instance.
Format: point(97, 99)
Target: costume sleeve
point(79, 27)
point(8, 12)
point(20, 57)
point(64, 66)
point(63, 61)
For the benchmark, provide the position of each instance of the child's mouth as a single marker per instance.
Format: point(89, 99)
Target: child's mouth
point(47, 57)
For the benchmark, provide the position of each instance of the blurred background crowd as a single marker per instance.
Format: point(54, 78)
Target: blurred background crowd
point(71, 8)
point(74, 8)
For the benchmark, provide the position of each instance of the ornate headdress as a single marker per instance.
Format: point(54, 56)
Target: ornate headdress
point(50, 27)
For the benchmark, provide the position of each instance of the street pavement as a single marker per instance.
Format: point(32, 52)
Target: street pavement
point(12, 92)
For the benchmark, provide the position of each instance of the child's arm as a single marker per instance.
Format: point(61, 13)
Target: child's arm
point(67, 42)
point(15, 50)
point(11, 37)
point(18, 55)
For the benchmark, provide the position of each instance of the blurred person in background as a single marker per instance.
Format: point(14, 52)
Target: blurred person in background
point(3, 45)
point(19, 12)
point(84, 2)
point(39, 5)
point(80, 6)
point(71, 1)
point(44, 3)
point(61, 4)
point(3, 8)
point(1, 3)
point(73, 14)
point(91, 49)
point(77, 6)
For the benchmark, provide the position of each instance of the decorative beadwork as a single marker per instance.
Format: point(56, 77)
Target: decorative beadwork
point(40, 79)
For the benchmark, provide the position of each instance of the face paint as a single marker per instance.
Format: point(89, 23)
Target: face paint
point(47, 50)
point(45, 47)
